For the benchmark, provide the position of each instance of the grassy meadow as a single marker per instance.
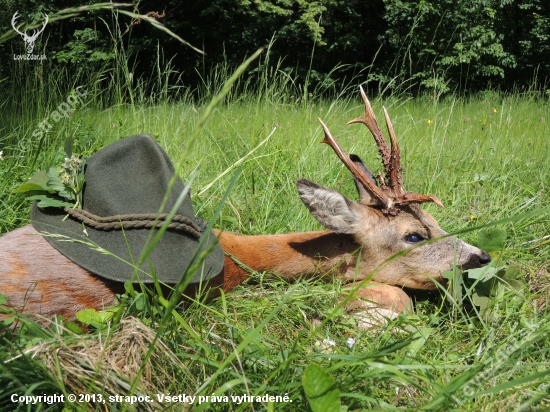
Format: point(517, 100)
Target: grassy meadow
point(485, 157)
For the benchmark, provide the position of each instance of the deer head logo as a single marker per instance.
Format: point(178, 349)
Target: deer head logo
point(29, 40)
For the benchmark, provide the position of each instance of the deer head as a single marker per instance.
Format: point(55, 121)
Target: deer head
point(387, 220)
point(29, 40)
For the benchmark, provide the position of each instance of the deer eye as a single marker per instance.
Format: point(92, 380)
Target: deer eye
point(414, 238)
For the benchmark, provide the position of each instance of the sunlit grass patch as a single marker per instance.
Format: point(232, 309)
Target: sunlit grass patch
point(483, 164)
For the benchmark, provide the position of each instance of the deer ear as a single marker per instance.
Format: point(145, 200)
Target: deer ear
point(333, 210)
point(365, 197)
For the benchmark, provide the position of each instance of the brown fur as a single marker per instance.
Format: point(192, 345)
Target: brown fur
point(37, 279)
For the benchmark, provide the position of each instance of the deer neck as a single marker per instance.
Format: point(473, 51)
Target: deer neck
point(288, 255)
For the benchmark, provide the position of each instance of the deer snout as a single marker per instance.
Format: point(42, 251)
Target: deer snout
point(477, 260)
point(485, 259)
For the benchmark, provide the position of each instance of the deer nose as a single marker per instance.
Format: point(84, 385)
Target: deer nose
point(484, 259)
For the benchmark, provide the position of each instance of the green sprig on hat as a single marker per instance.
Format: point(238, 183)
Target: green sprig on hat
point(57, 186)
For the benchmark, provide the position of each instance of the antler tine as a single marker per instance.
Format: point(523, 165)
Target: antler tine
point(13, 20)
point(394, 175)
point(410, 198)
point(369, 120)
point(37, 32)
point(391, 160)
point(46, 19)
point(356, 172)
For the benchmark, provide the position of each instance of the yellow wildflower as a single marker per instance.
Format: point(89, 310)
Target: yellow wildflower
point(429, 121)
point(494, 110)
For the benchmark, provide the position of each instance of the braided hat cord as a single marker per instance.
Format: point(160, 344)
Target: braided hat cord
point(135, 221)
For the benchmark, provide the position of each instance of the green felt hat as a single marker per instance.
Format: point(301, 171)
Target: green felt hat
point(130, 177)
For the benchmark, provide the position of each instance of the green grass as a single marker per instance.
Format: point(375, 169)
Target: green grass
point(486, 158)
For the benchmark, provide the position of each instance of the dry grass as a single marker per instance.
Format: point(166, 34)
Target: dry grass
point(109, 363)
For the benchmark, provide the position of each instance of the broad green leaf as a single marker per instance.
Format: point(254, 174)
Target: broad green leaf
point(6, 323)
point(140, 301)
point(483, 273)
point(31, 193)
point(67, 193)
point(3, 299)
point(48, 201)
point(448, 274)
point(481, 301)
point(38, 181)
point(516, 284)
point(73, 327)
point(491, 240)
point(321, 391)
point(106, 316)
point(40, 178)
point(52, 173)
point(54, 180)
point(511, 273)
point(481, 177)
point(52, 203)
point(89, 316)
point(486, 288)
point(32, 187)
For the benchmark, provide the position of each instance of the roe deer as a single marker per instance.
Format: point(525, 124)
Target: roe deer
point(38, 279)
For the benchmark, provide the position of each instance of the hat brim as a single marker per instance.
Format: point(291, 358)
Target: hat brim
point(118, 250)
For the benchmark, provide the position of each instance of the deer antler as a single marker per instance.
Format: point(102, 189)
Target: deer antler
point(29, 40)
point(392, 195)
point(390, 159)
point(355, 171)
point(37, 33)
point(13, 20)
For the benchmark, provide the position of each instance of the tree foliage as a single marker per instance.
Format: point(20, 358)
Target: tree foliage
point(434, 46)
point(469, 45)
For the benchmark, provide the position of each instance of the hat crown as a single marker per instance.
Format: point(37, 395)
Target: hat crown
point(131, 176)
